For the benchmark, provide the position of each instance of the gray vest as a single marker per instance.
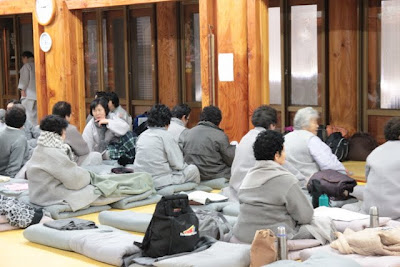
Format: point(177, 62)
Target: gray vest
point(298, 154)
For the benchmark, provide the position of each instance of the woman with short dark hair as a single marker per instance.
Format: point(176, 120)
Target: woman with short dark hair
point(158, 153)
point(53, 176)
point(270, 196)
point(107, 133)
point(382, 171)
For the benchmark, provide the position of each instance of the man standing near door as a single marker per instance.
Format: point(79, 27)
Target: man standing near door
point(27, 86)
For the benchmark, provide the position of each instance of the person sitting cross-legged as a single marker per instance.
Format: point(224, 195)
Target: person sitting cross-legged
point(158, 153)
point(207, 146)
point(270, 196)
point(13, 144)
point(74, 139)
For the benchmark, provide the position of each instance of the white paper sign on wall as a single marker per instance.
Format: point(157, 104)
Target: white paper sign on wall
point(225, 67)
point(45, 42)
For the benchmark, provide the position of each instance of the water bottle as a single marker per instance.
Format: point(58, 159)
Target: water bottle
point(373, 217)
point(282, 243)
point(323, 200)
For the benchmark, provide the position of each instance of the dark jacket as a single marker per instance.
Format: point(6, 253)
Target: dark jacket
point(207, 147)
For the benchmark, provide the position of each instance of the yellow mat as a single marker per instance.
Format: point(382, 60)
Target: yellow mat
point(16, 251)
point(357, 168)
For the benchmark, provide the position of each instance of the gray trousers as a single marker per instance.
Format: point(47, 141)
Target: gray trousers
point(31, 110)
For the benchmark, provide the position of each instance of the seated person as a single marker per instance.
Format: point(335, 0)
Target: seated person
point(207, 146)
point(31, 132)
point(263, 118)
point(2, 118)
point(54, 178)
point(179, 120)
point(107, 133)
point(13, 144)
point(74, 139)
point(270, 195)
point(97, 95)
point(305, 151)
point(117, 110)
point(158, 154)
point(381, 172)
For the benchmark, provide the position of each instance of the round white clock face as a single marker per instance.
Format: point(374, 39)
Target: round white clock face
point(45, 42)
point(45, 11)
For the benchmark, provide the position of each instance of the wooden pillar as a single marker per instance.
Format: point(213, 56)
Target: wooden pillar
point(343, 64)
point(257, 42)
point(232, 38)
point(59, 72)
point(167, 45)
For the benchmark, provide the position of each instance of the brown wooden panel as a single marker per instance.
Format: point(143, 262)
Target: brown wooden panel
point(167, 45)
point(376, 126)
point(60, 71)
point(81, 4)
point(194, 117)
point(9, 7)
point(343, 64)
point(232, 38)
point(254, 56)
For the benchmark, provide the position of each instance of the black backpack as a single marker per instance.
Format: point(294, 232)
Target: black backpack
point(173, 229)
point(339, 145)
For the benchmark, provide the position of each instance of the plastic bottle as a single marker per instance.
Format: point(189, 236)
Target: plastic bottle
point(323, 200)
point(373, 217)
point(282, 243)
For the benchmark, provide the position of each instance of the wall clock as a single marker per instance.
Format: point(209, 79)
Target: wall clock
point(45, 42)
point(45, 11)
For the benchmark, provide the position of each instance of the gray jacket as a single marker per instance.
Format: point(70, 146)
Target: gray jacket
point(55, 179)
point(78, 145)
point(270, 197)
point(207, 147)
point(158, 154)
point(14, 151)
point(383, 185)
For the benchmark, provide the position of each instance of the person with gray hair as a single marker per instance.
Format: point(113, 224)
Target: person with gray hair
point(305, 151)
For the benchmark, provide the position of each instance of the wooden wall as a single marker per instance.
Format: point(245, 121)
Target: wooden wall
point(10, 7)
point(343, 91)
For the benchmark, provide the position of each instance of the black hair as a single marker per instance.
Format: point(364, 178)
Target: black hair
point(392, 129)
point(212, 114)
point(102, 101)
point(27, 54)
point(264, 116)
point(159, 116)
point(15, 117)
point(14, 101)
point(53, 123)
point(181, 110)
point(267, 144)
point(101, 94)
point(113, 97)
point(62, 109)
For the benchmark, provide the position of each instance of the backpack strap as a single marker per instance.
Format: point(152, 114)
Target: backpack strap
point(221, 232)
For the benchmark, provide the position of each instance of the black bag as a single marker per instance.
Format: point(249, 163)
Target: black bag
point(173, 228)
point(332, 183)
point(339, 145)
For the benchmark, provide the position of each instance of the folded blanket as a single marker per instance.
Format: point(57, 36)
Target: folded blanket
point(126, 220)
point(116, 185)
point(47, 236)
point(369, 242)
point(365, 261)
point(109, 247)
point(232, 210)
point(320, 228)
point(3, 219)
point(317, 260)
point(71, 224)
point(171, 189)
point(65, 211)
point(359, 225)
point(204, 188)
point(132, 202)
point(220, 254)
point(7, 227)
point(217, 183)
point(11, 192)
